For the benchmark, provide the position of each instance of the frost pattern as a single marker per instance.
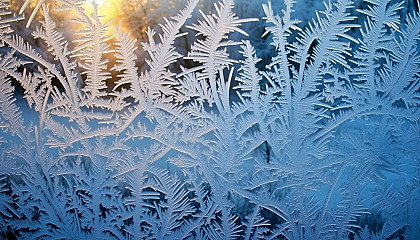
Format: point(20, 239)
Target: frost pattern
point(321, 143)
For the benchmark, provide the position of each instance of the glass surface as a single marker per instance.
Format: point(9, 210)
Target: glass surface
point(147, 119)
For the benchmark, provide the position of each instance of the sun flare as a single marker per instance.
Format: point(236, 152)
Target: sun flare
point(98, 2)
point(108, 9)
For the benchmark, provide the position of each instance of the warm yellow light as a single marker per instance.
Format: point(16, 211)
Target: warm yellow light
point(122, 11)
point(108, 8)
point(99, 2)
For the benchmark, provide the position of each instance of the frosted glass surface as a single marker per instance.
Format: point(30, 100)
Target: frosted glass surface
point(238, 120)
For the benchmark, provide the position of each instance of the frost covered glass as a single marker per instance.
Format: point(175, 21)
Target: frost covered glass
point(219, 122)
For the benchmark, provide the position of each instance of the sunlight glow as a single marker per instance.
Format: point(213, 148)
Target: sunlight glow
point(108, 9)
point(99, 2)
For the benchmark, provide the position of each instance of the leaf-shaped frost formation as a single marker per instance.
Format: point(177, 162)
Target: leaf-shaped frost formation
point(317, 141)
